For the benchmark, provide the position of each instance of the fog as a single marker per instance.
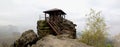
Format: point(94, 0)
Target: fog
point(21, 15)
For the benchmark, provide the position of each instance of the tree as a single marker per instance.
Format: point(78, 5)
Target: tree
point(95, 32)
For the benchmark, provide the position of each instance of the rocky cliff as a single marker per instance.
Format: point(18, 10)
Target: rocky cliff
point(29, 39)
point(68, 27)
point(46, 37)
point(58, 41)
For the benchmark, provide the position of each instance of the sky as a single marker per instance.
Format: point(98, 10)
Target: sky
point(25, 13)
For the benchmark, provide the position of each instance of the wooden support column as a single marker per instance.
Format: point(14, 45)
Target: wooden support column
point(45, 17)
point(64, 16)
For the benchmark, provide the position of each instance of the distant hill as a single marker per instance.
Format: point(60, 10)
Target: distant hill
point(8, 34)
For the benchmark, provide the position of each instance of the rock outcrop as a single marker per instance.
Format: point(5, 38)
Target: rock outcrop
point(30, 39)
point(27, 38)
point(43, 28)
point(56, 41)
point(46, 37)
point(68, 27)
point(54, 31)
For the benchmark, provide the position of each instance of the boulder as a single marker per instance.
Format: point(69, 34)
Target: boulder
point(27, 38)
point(69, 28)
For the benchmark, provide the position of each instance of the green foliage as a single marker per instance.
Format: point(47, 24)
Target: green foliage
point(95, 31)
point(109, 45)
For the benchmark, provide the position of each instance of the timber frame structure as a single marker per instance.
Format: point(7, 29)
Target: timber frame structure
point(55, 17)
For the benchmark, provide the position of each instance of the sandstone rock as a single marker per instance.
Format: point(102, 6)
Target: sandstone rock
point(27, 38)
point(55, 41)
point(43, 28)
point(67, 27)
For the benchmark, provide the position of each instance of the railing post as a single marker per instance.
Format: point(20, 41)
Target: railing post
point(45, 17)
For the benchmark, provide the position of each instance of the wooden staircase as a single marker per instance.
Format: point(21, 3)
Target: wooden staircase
point(55, 26)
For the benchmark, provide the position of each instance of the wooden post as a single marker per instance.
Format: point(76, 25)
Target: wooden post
point(64, 16)
point(45, 17)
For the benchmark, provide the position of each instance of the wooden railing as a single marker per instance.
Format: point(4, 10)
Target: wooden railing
point(54, 25)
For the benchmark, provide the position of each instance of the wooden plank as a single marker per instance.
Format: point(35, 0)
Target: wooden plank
point(52, 27)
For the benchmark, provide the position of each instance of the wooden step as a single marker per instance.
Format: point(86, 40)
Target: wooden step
point(56, 26)
point(51, 25)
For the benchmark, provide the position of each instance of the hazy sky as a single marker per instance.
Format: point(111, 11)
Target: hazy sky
point(25, 13)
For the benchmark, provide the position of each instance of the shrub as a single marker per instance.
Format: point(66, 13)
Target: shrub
point(95, 31)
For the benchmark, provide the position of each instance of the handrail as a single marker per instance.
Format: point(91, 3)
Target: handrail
point(55, 25)
point(52, 26)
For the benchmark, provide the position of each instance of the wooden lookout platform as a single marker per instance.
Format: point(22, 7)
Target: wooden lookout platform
point(55, 18)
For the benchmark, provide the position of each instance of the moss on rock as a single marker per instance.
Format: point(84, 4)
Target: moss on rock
point(43, 28)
